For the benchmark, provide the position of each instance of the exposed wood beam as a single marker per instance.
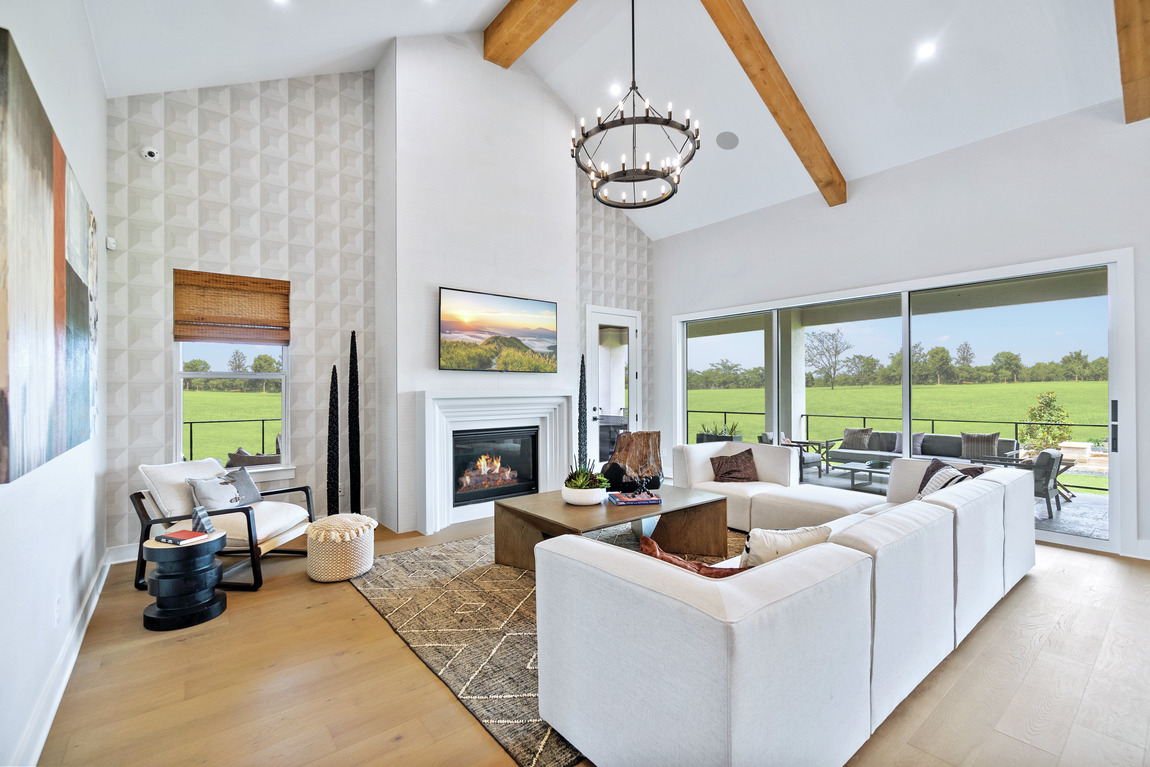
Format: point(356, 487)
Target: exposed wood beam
point(518, 26)
point(746, 41)
point(1133, 17)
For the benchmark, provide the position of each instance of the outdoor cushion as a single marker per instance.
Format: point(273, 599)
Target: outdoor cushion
point(978, 445)
point(856, 439)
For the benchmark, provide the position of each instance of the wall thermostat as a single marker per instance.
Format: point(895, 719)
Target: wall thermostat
point(110, 243)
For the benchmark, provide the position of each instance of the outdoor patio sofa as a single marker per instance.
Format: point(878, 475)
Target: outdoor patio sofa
point(945, 447)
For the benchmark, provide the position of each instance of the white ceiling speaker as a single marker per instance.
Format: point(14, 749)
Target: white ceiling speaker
point(726, 140)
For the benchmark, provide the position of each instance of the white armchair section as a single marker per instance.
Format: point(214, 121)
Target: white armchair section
point(767, 667)
point(776, 467)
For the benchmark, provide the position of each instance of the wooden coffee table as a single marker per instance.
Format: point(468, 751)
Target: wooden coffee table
point(689, 522)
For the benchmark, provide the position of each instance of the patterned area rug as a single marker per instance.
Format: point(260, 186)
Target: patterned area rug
point(473, 623)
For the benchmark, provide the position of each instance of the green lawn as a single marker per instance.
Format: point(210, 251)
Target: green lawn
point(217, 440)
point(1085, 401)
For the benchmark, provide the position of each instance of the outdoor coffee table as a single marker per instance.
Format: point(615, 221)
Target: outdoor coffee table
point(857, 467)
point(689, 522)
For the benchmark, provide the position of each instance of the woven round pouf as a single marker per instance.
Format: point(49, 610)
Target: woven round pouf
point(340, 547)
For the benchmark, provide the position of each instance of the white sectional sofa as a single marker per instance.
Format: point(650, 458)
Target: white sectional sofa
point(777, 500)
point(794, 662)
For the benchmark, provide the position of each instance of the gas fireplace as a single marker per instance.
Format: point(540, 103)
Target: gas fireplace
point(494, 463)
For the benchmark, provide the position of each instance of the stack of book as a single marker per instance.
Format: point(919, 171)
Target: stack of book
point(634, 499)
point(182, 537)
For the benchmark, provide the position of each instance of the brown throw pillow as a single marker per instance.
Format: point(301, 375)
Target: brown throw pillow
point(651, 549)
point(931, 470)
point(975, 471)
point(855, 439)
point(739, 467)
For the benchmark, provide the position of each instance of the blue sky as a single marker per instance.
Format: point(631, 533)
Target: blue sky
point(1039, 332)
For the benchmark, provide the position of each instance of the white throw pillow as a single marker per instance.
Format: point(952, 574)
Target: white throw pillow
point(765, 545)
point(166, 484)
point(233, 489)
point(944, 477)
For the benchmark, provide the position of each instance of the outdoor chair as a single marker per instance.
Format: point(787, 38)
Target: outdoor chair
point(252, 531)
point(808, 456)
point(1046, 479)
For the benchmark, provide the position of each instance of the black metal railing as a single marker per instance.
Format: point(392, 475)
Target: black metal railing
point(261, 421)
point(805, 418)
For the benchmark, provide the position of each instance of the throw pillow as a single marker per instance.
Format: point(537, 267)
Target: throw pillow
point(978, 445)
point(765, 545)
point(944, 477)
point(228, 491)
point(651, 549)
point(931, 469)
point(855, 439)
point(739, 467)
point(915, 442)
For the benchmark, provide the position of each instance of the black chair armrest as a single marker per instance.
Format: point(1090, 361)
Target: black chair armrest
point(305, 489)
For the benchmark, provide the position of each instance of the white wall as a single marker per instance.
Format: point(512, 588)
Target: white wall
point(1073, 185)
point(484, 202)
point(52, 545)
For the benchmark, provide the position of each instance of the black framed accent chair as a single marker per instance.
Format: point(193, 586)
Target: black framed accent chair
point(1046, 479)
point(255, 527)
point(808, 454)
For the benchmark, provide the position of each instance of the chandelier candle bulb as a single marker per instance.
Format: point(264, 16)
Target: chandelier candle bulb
point(688, 114)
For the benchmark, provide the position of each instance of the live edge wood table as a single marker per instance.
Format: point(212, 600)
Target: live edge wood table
point(689, 522)
point(184, 583)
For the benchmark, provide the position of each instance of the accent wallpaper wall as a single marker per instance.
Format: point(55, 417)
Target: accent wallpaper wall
point(273, 180)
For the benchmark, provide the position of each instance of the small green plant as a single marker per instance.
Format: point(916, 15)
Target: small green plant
point(721, 429)
point(584, 477)
point(1049, 428)
point(1098, 441)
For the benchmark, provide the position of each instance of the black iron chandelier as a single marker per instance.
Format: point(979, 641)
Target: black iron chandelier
point(646, 184)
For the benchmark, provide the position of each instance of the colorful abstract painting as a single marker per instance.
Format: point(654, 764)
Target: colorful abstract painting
point(48, 260)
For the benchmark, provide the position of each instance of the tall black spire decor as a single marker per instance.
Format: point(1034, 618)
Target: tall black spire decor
point(333, 445)
point(353, 426)
point(582, 457)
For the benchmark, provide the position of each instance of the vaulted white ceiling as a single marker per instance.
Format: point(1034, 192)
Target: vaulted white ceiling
point(999, 66)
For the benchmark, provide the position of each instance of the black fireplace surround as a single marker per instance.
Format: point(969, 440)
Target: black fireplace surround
point(494, 463)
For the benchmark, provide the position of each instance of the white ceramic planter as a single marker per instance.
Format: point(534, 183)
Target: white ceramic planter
point(584, 496)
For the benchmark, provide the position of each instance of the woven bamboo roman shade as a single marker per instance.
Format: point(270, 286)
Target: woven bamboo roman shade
point(227, 308)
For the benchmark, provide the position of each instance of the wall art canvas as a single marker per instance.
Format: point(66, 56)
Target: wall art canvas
point(485, 331)
point(48, 269)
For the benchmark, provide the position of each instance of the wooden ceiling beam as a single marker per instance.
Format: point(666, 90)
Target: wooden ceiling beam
point(1133, 17)
point(518, 26)
point(738, 28)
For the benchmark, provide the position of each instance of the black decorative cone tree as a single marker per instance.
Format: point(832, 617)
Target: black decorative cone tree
point(353, 426)
point(582, 457)
point(333, 445)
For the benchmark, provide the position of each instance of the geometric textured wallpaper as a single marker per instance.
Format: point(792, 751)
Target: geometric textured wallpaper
point(271, 180)
point(615, 270)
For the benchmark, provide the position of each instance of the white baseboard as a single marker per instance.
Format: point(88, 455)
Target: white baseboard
point(116, 555)
point(44, 710)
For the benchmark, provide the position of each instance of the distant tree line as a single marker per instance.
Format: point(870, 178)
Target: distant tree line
point(237, 363)
point(829, 364)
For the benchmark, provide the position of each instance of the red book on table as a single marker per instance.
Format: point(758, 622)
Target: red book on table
point(182, 537)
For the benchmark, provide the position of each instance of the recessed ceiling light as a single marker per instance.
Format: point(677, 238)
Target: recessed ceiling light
point(616, 89)
point(926, 51)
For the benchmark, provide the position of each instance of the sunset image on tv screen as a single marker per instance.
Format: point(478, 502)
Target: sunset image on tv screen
point(483, 331)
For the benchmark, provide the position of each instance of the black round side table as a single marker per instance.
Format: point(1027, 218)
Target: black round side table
point(183, 583)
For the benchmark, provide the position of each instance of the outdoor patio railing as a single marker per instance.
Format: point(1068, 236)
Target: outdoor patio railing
point(805, 418)
point(261, 421)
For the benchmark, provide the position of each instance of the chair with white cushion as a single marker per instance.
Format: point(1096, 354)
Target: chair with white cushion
point(252, 530)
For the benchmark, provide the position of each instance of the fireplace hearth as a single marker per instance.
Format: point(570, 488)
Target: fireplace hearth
point(494, 463)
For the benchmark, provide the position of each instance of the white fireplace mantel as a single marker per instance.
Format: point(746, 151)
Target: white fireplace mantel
point(438, 414)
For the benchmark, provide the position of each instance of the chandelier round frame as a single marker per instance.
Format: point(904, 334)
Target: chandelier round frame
point(603, 179)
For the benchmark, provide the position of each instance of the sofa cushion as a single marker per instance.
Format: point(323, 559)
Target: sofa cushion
point(915, 442)
point(942, 445)
point(739, 496)
point(977, 445)
point(739, 467)
point(765, 545)
point(883, 441)
point(650, 548)
point(856, 439)
point(805, 505)
point(165, 482)
point(861, 456)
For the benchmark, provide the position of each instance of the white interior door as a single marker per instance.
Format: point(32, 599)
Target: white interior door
point(614, 391)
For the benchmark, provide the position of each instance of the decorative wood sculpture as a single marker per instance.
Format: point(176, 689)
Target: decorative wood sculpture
point(581, 457)
point(635, 463)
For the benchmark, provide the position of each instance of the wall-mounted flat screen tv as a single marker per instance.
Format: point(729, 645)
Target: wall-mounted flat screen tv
point(485, 331)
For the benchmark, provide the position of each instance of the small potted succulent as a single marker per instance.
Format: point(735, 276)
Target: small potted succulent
point(584, 486)
point(719, 432)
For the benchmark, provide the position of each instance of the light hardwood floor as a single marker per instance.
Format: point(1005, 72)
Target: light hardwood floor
point(307, 673)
